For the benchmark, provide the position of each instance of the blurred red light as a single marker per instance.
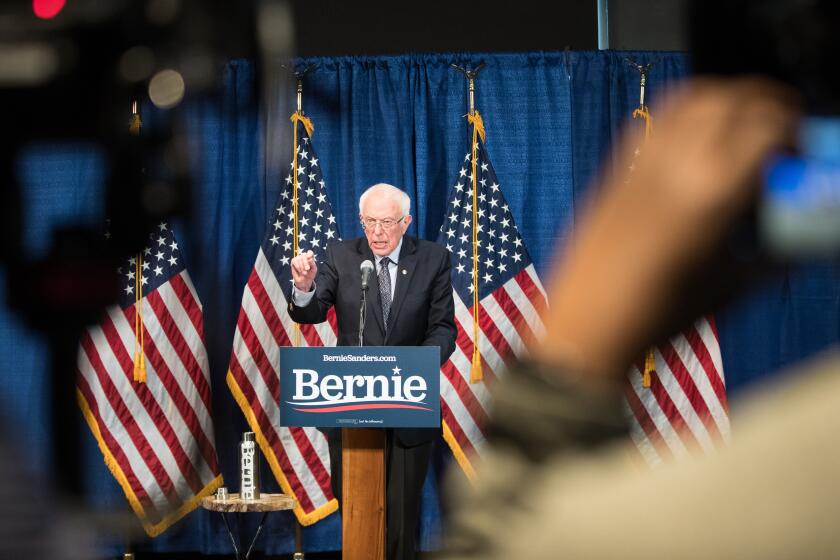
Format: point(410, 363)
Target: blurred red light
point(47, 9)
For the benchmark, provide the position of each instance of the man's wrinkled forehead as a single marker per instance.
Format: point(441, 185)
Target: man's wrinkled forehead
point(380, 202)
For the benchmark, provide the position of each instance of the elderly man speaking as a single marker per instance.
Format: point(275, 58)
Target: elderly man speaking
point(412, 307)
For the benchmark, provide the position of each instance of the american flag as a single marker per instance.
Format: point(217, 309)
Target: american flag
point(299, 457)
point(511, 299)
point(154, 429)
point(676, 397)
point(684, 411)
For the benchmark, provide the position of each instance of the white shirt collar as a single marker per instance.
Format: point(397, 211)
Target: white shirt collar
point(394, 256)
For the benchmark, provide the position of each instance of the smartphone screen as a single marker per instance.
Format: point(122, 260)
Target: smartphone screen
point(800, 209)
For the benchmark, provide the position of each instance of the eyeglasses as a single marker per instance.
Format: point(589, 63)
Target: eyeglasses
point(387, 223)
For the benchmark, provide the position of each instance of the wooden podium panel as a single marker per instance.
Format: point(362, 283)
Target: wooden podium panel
point(363, 489)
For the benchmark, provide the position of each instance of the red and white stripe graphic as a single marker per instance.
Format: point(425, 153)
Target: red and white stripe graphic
point(156, 436)
point(684, 411)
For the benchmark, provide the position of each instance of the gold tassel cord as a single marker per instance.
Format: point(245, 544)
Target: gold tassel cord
point(296, 329)
point(650, 357)
point(476, 371)
point(478, 124)
point(136, 326)
point(134, 125)
point(307, 122)
point(296, 118)
point(643, 113)
point(139, 354)
point(650, 368)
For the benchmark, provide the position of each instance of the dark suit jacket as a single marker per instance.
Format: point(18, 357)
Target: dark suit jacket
point(422, 312)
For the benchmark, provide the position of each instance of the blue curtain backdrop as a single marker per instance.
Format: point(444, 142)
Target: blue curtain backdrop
point(550, 121)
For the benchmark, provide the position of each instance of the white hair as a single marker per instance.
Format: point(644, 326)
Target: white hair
point(388, 191)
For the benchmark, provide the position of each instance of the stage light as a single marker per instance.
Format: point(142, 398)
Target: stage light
point(47, 9)
point(27, 64)
point(166, 89)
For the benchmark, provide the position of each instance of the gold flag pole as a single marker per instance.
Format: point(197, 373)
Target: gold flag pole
point(297, 116)
point(474, 118)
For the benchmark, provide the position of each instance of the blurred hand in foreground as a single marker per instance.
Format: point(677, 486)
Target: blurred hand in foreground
point(633, 264)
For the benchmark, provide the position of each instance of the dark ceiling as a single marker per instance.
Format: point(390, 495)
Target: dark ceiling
point(370, 27)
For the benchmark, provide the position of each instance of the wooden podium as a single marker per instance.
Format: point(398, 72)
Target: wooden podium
point(363, 489)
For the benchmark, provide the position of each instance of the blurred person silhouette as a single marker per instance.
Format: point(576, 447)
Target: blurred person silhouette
point(36, 519)
point(648, 257)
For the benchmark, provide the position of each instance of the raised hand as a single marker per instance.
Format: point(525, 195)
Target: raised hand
point(304, 270)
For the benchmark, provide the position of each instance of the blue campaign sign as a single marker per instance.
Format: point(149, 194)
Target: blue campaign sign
point(360, 387)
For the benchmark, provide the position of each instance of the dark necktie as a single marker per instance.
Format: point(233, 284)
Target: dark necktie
point(385, 289)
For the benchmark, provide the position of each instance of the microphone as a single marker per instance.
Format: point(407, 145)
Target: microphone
point(367, 269)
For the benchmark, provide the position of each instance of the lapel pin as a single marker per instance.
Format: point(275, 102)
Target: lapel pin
point(404, 272)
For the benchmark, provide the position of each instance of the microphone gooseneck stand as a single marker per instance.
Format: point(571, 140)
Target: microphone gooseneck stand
point(362, 314)
point(366, 269)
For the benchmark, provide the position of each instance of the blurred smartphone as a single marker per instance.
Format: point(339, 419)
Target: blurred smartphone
point(799, 214)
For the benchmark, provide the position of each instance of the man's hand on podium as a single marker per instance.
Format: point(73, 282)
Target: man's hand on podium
point(304, 270)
